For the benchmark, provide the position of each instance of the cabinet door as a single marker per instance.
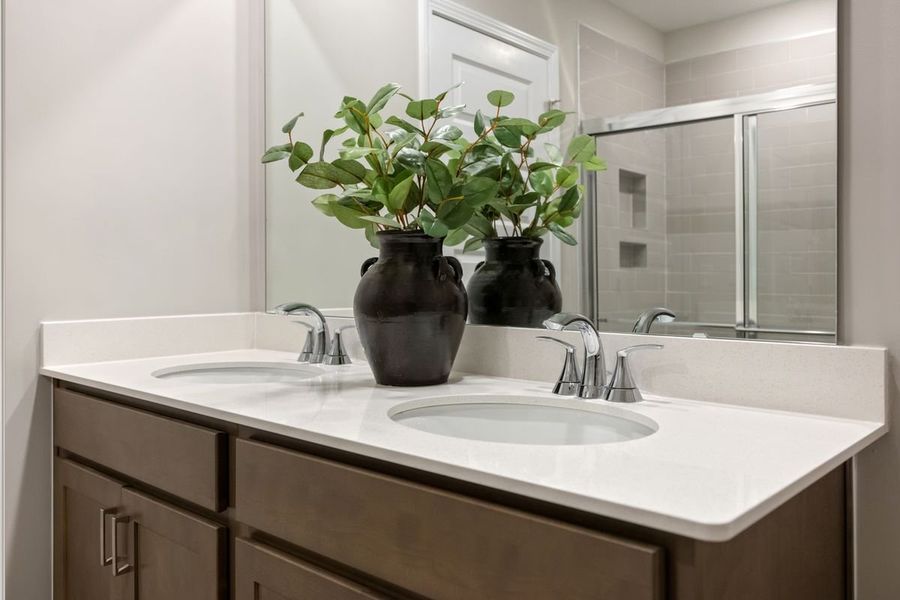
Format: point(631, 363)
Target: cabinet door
point(168, 553)
point(262, 573)
point(85, 502)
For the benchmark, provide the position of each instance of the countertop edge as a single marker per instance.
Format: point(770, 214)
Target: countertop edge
point(704, 531)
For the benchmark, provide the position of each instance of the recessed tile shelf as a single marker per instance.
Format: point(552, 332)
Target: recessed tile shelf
point(632, 255)
point(633, 198)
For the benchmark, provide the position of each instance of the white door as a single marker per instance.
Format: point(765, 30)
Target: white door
point(485, 62)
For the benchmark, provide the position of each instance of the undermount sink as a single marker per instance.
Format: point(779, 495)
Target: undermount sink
point(523, 420)
point(239, 372)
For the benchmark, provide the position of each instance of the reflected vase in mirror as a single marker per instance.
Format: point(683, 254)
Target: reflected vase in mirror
point(513, 286)
point(410, 309)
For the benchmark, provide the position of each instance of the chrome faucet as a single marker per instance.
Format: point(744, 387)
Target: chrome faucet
point(593, 378)
point(320, 329)
point(650, 316)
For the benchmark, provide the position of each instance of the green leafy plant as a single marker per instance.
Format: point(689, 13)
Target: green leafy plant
point(415, 172)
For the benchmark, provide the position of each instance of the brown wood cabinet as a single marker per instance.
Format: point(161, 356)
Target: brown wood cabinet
point(115, 543)
point(263, 573)
point(157, 504)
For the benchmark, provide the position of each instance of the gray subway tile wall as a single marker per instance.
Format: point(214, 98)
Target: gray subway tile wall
point(689, 187)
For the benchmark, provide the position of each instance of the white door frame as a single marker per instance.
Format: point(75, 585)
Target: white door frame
point(505, 33)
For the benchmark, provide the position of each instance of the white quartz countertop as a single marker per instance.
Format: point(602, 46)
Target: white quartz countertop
point(709, 472)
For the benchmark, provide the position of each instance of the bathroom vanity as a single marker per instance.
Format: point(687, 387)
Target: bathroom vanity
point(176, 487)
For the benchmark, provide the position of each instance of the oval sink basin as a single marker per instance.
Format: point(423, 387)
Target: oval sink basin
point(524, 420)
point(239, 373)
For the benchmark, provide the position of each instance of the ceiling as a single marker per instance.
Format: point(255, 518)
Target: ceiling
point(669, 15)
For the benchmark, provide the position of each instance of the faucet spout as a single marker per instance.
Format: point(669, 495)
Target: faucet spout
point(650, 316)
point(593, 379)
point(320, 346)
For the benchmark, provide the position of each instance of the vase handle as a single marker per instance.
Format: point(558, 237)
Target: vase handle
point(479, 265)
point(440, 267)
point(551, 270)
point(457, 268)
point(366, 264)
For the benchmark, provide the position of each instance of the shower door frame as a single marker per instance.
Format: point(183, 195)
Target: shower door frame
point(743, 111)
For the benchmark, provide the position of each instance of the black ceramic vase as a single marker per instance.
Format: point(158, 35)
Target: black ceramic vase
point(410, 308)
point(513, 286)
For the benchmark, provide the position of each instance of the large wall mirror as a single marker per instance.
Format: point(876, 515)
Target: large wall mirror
point(716, 215)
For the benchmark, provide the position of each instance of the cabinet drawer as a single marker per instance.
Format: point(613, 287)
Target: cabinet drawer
point(432, 542)
point(262, 573)
point(182, 459)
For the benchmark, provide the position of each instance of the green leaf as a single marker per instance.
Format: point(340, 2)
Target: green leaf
point(404, 125)
point(354, 114)
point(326, 137)
point(421, 109)
point(324, 202)
point(349, 171)
point(440, 97)
point(501, 208)
point(478, 190)
point(437, 146)
point(349, 216)
point(581, 148)
point(275, 154)
point(541, 182)
point(438, 180)
point(381, 97)
point(569, 200)
point(447, 132)
point(319, 176)
point(370, 235)
point(454, 212)
point(540, 166)
point(551, 119)
point(382, 221)
point(479, 226)
point(397, 197)
point(595, 163)
point(432, 226)
point(300, 155)
point(412, 159)
point(473, 244)
point(500, 98)
point(450, 111)
point(359, 152)
point(509, 137)
point(562, 234)
point(554, 153)
point(526, 127)
point(289, 126)
point(566, 176)
point(456, 237)
point(479, 122)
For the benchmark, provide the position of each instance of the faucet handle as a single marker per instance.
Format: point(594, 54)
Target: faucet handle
point(337, 355)
point(307, 351)
point(569, 380)
point(621, 387)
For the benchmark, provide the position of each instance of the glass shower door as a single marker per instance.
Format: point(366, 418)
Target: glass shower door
point(791, 229)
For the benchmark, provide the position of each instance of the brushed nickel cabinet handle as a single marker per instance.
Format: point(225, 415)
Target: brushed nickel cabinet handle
point(104, 559)
point(118, 570)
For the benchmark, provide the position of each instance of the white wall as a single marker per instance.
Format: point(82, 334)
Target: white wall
point(792, 20)
point(315, 56)
point(869, 297)
point(126, 193)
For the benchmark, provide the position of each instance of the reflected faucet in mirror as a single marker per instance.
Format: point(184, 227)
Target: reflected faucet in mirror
point(650, 316)
point(319, 332)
